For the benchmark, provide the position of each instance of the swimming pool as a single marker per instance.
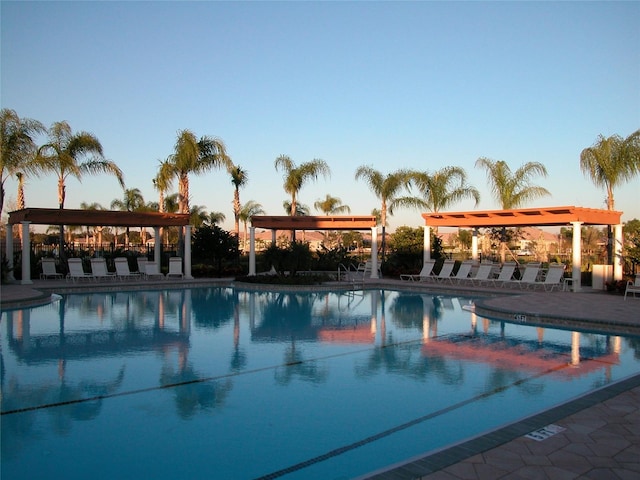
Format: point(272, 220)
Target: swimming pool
point(223, 383)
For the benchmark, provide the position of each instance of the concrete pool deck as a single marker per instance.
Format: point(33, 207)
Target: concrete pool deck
point(601, 430)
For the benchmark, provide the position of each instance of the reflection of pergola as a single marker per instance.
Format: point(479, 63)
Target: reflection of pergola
point(548, 216)
point(95, 218)
point(343, 222)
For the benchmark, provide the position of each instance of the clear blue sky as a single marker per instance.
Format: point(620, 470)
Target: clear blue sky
point(389, 84)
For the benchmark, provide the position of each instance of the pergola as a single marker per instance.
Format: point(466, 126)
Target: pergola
point(342, 222)
point(548, 216)
point(97, 218)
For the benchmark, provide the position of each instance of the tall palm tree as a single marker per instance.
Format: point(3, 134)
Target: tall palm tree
point(239, 178)
point(132, 201)
point(215, 217)
point(193, 156)
point(248, 210)
point(513, 189)
point(611, 162)
point(331, 206)
point(296, 176)
point(20, 201)
point(17, 149)
point(162, 182)
point(198, 215)
point(388, 189)
point(444, 187)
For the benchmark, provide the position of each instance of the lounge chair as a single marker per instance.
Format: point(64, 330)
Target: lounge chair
point(99, 270)
point(122, 269)
point(427, 268)
point(76, 271)
point(175, 267)
point(152, 269)
point(142, 261)
point(554, 278)
point(506, 272)
point(463, 272)
point(529, 277)
point(632, 287)
point(482, 275)
point(445, 271)
point(49, 269)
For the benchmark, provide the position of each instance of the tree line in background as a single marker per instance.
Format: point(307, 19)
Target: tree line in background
point(609, 162)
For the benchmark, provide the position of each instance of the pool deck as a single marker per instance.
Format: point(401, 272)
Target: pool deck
point(601, 430)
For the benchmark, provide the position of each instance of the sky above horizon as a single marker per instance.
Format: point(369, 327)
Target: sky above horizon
point(419, 85)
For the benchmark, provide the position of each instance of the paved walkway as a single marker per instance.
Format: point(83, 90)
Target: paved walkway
point(594, 437)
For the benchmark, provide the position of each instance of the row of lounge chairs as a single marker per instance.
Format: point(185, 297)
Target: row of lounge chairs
point(99, 271)
point(488, 274)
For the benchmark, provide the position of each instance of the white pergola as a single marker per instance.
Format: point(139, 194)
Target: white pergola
point(548, 216)
point(94, 218)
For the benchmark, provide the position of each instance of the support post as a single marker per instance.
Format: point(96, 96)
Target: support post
point(576, 256)
point(617, 252)
point(26, 254)
point(9, 244)
point(474, 246)
point(426, 249)
point(187, 253)
point(252, 251)
point(157, 246)
point(374, 252)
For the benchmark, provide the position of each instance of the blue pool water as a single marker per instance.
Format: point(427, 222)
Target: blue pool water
point(229, 384)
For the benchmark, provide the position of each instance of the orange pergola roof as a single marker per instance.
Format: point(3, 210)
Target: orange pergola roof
point(97, 218)
point(548, 216)
point(325, 222)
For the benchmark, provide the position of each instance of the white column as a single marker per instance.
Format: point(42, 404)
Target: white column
point(26, 254)
point(187, 252)
point(426, 249)
point(374, 252)
point(252, 251)
point(576, 256)
point(474, 246)
point(156, 246)
point(617, 252)
point(9, 244)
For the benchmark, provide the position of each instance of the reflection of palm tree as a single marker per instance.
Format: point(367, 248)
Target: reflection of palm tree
point(296, 366)
point(238, 357)
point(204, 315)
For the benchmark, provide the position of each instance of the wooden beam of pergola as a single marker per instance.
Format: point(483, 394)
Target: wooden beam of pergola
point(550, 216)
point(98, 218)
point(326, 222)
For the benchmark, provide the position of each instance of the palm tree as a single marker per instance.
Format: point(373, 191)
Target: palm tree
point(248, 210)
point(20, 201)
point(162, 182)
point(198, 215)
point(611, 162)
point(331, 206)
point(296, 176)
point(131, 202)
point(513, 190)
point(444, 187)
point(239, 178)
point(93, 206)
point(215, 217)
point(17, 151)
point(388, 188)
point(193, 156)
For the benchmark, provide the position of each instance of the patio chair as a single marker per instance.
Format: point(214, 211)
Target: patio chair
point(529, 277)
point(427, 268)
point(506, 272)
point(49, 269)
point(175, 267)
point(152, 270)
point(554, 278)
point(76, 271)
point(122, 269)
point(632, 287)
point(445, 271)
point(482, 275)
point(141, 262)
point(463, 272)
point(99, 270)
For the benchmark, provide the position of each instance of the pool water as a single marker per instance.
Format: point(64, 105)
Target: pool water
point(230, 384)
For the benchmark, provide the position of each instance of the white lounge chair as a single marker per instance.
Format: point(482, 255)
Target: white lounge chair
point(427, 268)
point(122, 269)
point(482, 275)
point(463, 272)
point(141, 262)
point(554, 278)
point(76, 271)
point(49, 269)
point(529, 277)
point(506, 272)
point(445, 271)
point(99, 270)
point(175, 267)
point(632, 287)
point(152, 270)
